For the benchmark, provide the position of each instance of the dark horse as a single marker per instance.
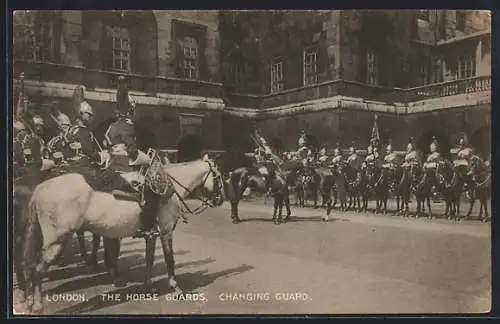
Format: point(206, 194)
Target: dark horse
point(450, 186)
point(322, 183)
point(378, 183)
point(481, 186)
point(355, 185)
point(403, 192)
point(422, 181)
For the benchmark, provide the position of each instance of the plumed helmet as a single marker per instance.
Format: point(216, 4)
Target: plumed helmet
point(85, 108)
point(19, 126)
point(323, 150)
point(461, 141)
point(352, 150)
point(370, 149)
point(336, 151)
point(38, 121)
point(63, 120)
point(409, 147)
point(434, 145)
point(389, 148)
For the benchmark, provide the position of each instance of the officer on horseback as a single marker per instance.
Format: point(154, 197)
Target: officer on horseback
point(353, 158)
point(411, 156)
point(389, 158)
point(465, 152)
point(126, 157)
point(58, 146)
point(323, 157)
point(83, 145)
point(370, 157)
point(434, 157)
point(337, 157)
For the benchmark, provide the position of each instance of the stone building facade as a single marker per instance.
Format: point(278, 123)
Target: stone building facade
point(423, 72)
point(213, 76)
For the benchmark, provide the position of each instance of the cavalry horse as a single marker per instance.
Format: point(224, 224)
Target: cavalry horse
point(480, 174)
point(403, 190)
point(67, 203)
point(377, 180)
point(422, 180)
point(322, 180)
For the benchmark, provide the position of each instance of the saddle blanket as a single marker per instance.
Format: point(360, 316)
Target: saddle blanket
point(99, 180)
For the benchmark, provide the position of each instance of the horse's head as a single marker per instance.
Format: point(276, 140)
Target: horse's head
point(213, 182)
point(477, 166)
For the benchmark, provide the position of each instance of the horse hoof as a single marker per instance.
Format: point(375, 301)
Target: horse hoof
point(119, 283)
point(37, 308)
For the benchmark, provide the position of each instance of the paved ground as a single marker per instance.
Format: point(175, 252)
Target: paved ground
point(353, 264)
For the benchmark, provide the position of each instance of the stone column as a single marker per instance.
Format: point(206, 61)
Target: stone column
point(479, 59)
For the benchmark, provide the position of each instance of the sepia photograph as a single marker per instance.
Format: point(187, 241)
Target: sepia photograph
point(226, 162)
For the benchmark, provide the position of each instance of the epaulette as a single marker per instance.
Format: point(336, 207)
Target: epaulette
point(129, 121)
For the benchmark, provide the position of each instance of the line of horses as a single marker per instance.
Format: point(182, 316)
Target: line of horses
point(350, 187)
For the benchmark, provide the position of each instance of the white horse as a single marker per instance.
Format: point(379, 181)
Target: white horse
point(62, 205)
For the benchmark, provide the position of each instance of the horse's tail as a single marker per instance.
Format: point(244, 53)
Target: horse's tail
point(33, 240)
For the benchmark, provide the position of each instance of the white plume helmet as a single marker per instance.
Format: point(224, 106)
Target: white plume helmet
point(336, 151)
point(38, 121)
point(85, 108)
point(389, 148)
point(370, 149)
point(63, 120)
point(409, 147)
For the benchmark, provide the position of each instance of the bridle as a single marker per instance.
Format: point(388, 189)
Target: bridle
point(217, 193)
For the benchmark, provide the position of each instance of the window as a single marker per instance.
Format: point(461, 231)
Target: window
point(371, 68)
point(423, 72)
point(310, 66)
point(277, 76)
point(424, 15)
point(121, 48)
point(235, 72)
point(466, 66)
point(45, 47)
point(461, 18)
point(190, 58)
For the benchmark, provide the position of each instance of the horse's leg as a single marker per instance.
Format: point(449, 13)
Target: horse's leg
point(429, 206)
point(234, 211)
point(150, 259)
point(51, 252)
point(280, 210)
point(275, 208)
point(457, 202)
point(472, 200)
point(168, 254)
point(96, 243)
point(112, 253)
point(287, 206)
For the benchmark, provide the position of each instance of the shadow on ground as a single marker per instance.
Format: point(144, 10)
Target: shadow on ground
point(188, 282)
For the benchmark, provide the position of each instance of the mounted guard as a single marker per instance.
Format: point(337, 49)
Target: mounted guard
point(412, 157)
point(58, 146)
point(353, 160)
point(337, 157)
point(126, 158)
point(464, 153)
point(323, 157)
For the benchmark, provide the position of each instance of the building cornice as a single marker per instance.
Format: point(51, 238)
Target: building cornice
point(338, 102)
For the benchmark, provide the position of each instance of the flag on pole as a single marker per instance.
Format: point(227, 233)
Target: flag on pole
point(375, 137)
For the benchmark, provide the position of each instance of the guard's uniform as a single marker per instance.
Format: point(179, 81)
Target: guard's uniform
point(411, 158)
point(83, 145)
point(27, 151)
point(58, 148)
point(463, 156)
point(122, 144)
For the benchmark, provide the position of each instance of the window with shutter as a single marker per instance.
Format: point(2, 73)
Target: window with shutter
point(277, 83)
point(466, 66)
point(371, 68)
point(310, 66)
point(190, 58)
point(120, 47)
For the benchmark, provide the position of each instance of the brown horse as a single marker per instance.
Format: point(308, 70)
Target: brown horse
point(403, 191)
point(481, 186)
point(422, 182)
